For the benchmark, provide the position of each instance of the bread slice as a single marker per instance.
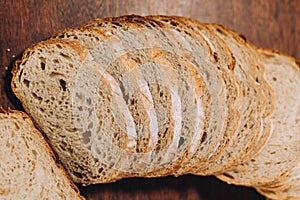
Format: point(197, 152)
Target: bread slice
point(79, 107)
point(28, 168)
point(282, 151)
point(251, 109)
point(108, 46)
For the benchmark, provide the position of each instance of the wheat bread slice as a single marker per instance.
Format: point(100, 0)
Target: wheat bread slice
point(250, 110)
point(225, 64)
point(281, 152)
point(157, 42)
point(198, 52)
point(28, 168)
point(107, 45)
point(78, 106)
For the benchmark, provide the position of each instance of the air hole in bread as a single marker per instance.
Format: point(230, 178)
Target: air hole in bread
point(65, 56)
point(204, 136)
point(177, 29)
point(216, 56)
point(181, 141)
point(161, 93)
point(59, 46)
point(36, 96)
point(174, 23)
point(115, 135)
point(26, 82)
point(78, 175)
point(63, 84)
point(21, 72)
point(188, 33)
point(61, 36)
point(43, 65)
point(228, 175)
point(220, 31)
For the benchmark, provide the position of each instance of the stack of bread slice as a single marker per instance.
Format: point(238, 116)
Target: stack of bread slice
point(153, 96)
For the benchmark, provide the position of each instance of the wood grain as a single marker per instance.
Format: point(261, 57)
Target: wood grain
point(267, 23)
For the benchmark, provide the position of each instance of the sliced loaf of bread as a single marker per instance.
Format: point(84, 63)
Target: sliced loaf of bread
point(153, 96)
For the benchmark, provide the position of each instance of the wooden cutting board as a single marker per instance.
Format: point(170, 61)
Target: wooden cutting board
point(267, 23)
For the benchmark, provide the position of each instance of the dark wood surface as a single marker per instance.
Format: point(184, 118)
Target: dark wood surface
point(267, 23)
